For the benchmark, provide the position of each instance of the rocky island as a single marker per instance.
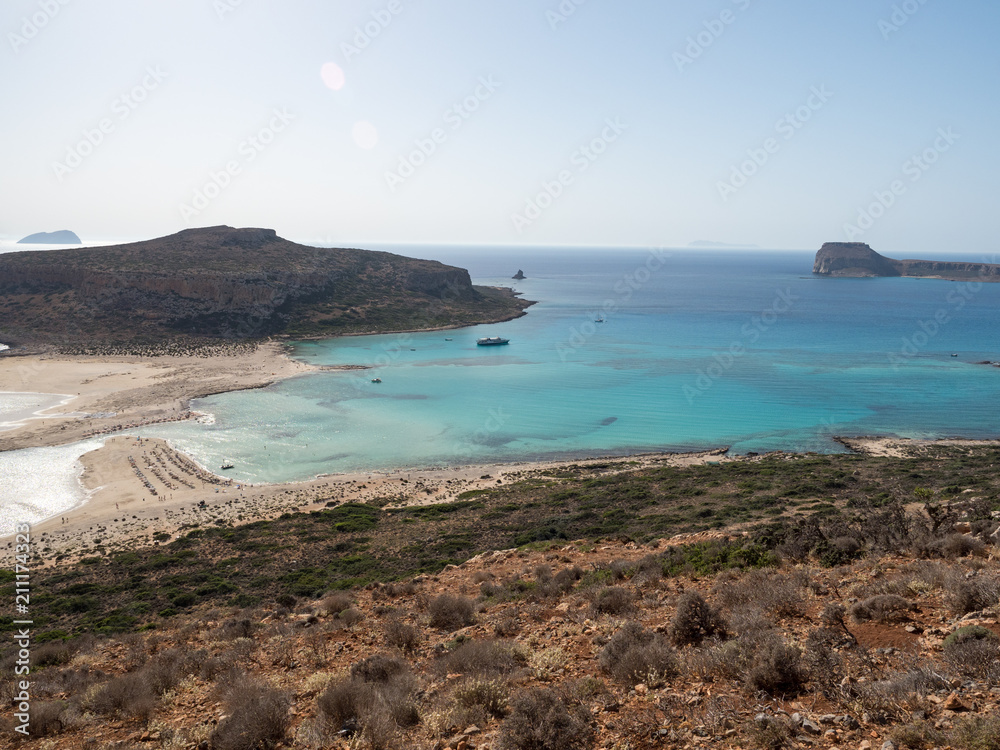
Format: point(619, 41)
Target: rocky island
point(858, 260)
point(60, 237)
point(519, 275)
point(224, 284)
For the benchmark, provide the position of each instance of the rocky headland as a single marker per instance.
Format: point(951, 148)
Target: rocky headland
point(60, 237)
point(858, 260)
point(220, 283)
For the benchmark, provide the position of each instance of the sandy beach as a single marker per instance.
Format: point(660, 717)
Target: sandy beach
point(112, 393)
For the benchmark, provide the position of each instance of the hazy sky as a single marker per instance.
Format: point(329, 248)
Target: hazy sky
point(635, 122)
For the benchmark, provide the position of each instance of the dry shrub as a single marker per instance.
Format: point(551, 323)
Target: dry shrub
point(450, 612)
point(917, 735)
point(374, 709)
point(540, 720)
point(47, 717)
point(774, 593)
point(237, 628)
point(400, 635)
point(728, 660)
point(488, 695)
point(335, 603)
point(881, 608)
point(482, 575)
point(52, 654)
point(776, 668)
point(378, 668)
point(974, 594)
point(973, 651)
point(962, 545)
point(215, 666)
point(258, 717)
point(977, 733)
point(612, 600)
point(349, 617)
point(481, 658)
point(896, 698)
point(635, 655)
point(773, 733)
point(128, 696)
point(695, 620)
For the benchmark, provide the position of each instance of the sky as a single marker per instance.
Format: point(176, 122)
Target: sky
point(781, 123)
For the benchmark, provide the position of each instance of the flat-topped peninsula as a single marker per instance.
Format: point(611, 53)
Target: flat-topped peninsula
point(858, 260)
point(216, 284)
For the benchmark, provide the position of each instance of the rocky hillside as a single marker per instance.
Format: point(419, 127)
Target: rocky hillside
point(857, 259)
point(224, 283)
point(854, 618)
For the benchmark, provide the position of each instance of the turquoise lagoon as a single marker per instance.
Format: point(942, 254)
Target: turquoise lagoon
point(697, 349)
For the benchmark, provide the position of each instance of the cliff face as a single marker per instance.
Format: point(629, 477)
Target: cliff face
point(856, 259)
point(852, 259)
point(220, 282)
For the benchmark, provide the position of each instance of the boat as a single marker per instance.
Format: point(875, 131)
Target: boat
point(447, 339)
point(492, 341)
point(226, 466)
point(599, 319)
point(376, 380)
point(954, 355)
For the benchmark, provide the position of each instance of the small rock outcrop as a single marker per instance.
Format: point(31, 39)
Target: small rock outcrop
point(61, 237)
point(519, 275)
point(858, 260)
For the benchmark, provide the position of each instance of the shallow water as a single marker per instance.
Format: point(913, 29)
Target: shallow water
point(16, 408)
point(38, 483)
point(697, 349)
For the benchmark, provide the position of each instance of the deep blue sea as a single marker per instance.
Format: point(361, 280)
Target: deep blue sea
point(696, 349)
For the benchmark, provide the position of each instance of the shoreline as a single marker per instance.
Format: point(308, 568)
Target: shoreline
point(107, 394)
point(141, 491)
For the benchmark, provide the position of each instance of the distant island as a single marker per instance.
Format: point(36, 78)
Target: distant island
point(858, 260)
point(709, 243)
point(61, 237)
point(519, 275)
point(219, 283)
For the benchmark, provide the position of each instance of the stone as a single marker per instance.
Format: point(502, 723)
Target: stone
point(811, 727)
point(888, 745)
point(641, 689)
point(954, 703)
point(865, 745)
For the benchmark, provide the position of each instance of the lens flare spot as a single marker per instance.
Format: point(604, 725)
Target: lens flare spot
point(365, 134)
point(333, 76)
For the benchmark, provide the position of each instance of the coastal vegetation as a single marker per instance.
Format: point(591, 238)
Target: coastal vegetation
point(826, 600)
